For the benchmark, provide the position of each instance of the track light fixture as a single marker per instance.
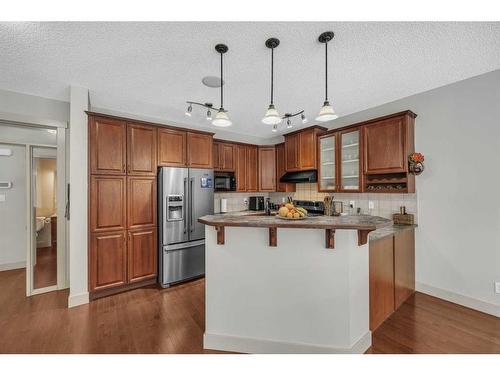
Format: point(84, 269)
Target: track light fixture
point(326, 112)
point(272, 116)
point(221, 118)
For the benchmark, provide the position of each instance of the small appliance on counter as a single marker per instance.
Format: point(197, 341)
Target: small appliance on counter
point(224, 181)
point(256, 204)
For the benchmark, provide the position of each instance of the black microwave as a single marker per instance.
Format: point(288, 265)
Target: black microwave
point(224, 181)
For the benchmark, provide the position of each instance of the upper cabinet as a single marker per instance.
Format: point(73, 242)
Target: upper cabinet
point(301, 149)
point(350, 175)
point(327, 173)
point(280, 170)
point(225, 154)
point(172, 146)
point(267, 168)
point(177, 148)
point(199, 150)
point(108, 146)
point(252, 168)
point(385, 147)
point(241, 167)
point(141, 149)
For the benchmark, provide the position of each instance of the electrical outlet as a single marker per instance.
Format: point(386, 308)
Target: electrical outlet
point(352, 204)
point(497, 287)
point(371, 205)
point(245, 200)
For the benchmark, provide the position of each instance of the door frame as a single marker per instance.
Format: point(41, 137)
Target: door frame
point(61, 192)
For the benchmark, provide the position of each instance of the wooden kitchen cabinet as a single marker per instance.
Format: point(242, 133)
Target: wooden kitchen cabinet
point(301, 149)
point(252, 168)
point(172, 148)
point(142, 254)
point(141, 202)
point(267, 168)
point(404, 266)
point(141, 150)
point(107, 146)
point(280, 170)
point(385, 146)
point(241, 167)
point(107, 203)
point(381, 278)
point(108, 260)
point(199, 150)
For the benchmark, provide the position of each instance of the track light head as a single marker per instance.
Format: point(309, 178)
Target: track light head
point(189, 110)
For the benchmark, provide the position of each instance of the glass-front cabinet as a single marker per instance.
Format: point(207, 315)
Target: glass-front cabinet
point(327, 166)
point(340, 161)
point(349, 161)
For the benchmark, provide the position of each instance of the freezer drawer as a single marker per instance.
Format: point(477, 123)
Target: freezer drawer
point(182, 262)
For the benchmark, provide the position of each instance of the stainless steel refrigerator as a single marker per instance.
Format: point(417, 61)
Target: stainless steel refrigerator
point(184, 195)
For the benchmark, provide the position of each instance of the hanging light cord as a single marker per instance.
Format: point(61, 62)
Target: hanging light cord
point(221, 84)
point(326, 71)
point(272, 74)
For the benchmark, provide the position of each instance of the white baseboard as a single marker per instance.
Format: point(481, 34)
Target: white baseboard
point(459, 299)
point(260, 346)
point(12, 266)
point(78, 299)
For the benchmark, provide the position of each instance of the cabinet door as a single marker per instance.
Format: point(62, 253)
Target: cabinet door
point(216, 156)
point(227, 151)
point(199, 149)
point(381, 276)
point(280, 170)
point(327, 179)
point(350, 161)
point(404, 266)
point(252, 168)
point(107, 203)
point(108, 260)
point(267, 169)
point(141, 150)
point(141, 202)
point(172, 148)
point(292, 152)
point(241, 168)
point(142, 254)
point(307, 149)
point(384, 144)
point(108, 146)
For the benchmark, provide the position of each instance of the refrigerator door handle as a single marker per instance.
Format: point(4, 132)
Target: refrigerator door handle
point(191, 181)
point(185, 205)
point(184, 245)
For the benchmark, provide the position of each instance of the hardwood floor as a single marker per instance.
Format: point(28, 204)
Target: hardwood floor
point(45, 270)
point(154, 320)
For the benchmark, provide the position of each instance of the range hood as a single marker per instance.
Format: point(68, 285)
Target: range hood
point(300, 177)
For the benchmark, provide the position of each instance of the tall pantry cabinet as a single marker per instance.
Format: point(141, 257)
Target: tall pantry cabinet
point(122, 203)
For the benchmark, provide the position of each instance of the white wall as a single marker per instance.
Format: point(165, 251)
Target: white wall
point(13, 209)
point(458, 239)
point(78, 272)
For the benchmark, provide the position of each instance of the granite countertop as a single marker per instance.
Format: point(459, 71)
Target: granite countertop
point(259, 219)
point(380, 226)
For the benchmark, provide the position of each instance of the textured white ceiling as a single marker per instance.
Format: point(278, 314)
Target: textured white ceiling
point(151, 69)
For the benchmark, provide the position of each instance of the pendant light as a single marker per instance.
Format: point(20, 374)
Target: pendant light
point(272, 116)
point(326, 112)
point(221, 118)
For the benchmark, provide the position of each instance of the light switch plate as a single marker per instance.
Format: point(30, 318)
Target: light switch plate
point(352, 204)
point(371, 205)
point(2, 197)
point(497, 287)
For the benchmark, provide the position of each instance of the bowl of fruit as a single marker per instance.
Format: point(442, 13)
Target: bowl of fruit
point(290, 212)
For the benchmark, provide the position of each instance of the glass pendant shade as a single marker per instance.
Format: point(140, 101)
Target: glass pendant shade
point(326, 113)
point(272, 117)
point(221, 119)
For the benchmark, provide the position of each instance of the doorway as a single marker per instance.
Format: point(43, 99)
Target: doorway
point(32, 208)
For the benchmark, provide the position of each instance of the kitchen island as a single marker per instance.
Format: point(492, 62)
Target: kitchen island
point(282, 286)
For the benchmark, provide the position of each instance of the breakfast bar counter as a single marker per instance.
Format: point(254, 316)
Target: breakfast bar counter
point(283, 286)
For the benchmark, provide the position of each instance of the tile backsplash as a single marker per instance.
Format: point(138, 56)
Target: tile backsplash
point(384, 204)
point(235, 201)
